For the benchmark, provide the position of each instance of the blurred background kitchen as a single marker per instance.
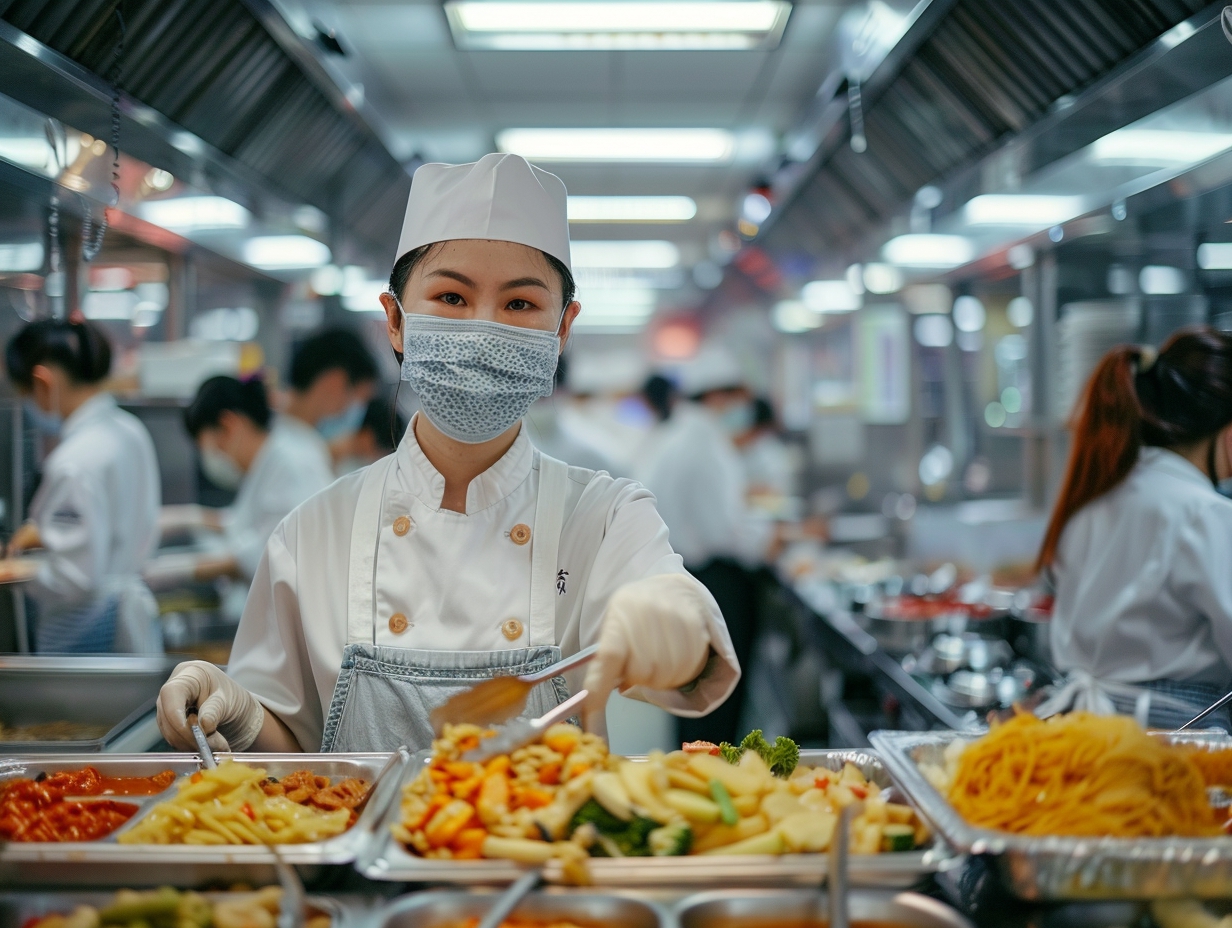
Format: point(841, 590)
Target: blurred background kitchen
point(886, 240)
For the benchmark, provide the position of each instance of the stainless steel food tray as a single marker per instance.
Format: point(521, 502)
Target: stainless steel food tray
point(738, 908)
point(387, 859)
point(446, 909)
point(109, 863)
point(92, 689)
point(17, 908)
point(1060, 867)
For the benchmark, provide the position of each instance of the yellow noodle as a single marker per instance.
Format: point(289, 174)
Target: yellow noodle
point(1081, 775)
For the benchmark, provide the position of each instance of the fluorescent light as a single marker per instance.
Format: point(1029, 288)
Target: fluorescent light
point(1012, 209)
point(793, 317)
point(1161, 280)
point(30, 152)
point(1020, 312)
point(674, 145)
point(631, 209)
point(511, 25)
point(285, 252)
point(926, 250)
point(934, 331)
point(969, 314)
point(195, 214)
point(364, 296)
point(625, 254)
point(1160, 147)
point(830, 296)
point(756, 208)
point(620, 308)
point(21, 256)
point(1215, 256)
point(108, 304)
point(882, 278)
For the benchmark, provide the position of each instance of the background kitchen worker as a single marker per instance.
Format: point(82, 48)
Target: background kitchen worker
point(1139, 546)
point(95, 513)
point(243, 446)
point(331, 380)
point(377, 436)
point(467, 553)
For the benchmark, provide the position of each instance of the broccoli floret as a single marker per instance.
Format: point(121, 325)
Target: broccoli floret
point(784, 757)
point(601, 818)
point(629, 839)
point(730, 753)
point(671, 840)
point(756, 741)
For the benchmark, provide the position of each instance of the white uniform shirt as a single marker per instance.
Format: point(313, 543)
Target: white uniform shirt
point(97, 506)
point(696, 473)
point(457, 578)
point(291, 466)
point(1144, 579)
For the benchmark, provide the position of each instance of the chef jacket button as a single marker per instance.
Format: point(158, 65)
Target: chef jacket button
point(402, 525)
point(520, 534)
point(512, 629)
point(398, 623)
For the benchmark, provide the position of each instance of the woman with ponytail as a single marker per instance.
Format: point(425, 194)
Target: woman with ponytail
point(1139, 546)
point(95, 514)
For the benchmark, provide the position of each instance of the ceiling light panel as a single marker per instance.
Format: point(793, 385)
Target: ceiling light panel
point(631, 209)
point(285, 252)
point(1160, 147)
point(195, 214)
point(633, 25)
point(650, 255)
point(695, 146)
point(928, 251)
point(1002, 209)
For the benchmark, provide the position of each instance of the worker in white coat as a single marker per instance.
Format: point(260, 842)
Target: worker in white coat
point(95, 513)
point(695, 472)
point(1139, 546)
point(466, 554)
point(244, 447)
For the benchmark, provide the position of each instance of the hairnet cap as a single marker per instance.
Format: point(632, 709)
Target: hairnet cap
point(502, 198)
point(713, 368)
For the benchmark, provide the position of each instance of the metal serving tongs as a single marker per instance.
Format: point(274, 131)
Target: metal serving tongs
point(838, 877)
point(291, 910)
point(501, 698)
point(521, 732)
point(1214, 707)
point(203, 746)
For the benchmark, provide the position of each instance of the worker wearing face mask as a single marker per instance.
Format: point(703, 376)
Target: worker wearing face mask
point(696, 473)
point(331, 381)
point(95, 514)
point(465, 554)
point(245, 448)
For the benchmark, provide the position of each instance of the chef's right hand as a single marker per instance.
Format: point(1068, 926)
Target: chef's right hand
point(228, 714)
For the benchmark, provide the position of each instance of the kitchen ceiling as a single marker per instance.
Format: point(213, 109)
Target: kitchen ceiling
point(428, 99)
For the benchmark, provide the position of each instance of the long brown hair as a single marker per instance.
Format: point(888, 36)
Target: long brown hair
point(1182, 398)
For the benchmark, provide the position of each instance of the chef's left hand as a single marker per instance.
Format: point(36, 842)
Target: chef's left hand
point(654, 635)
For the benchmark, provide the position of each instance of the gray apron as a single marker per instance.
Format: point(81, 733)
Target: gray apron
point(384, 695)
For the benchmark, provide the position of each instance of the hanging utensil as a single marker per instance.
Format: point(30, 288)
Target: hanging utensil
point(291, 910)
point(507, 901)
point(501, 698)
point(203, 746)
point(837, 879)
point(521, 732)
point(1214, 707)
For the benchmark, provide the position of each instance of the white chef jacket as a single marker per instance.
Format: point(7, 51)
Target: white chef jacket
point(97, 506)
point(291, 466)
point(456, 578)
point(698, 477)
point(1144, 579)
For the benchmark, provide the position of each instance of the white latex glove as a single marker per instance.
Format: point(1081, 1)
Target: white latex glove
point(228, 714)
point(654, 635)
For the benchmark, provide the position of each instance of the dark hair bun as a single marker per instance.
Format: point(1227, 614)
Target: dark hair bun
point(80, 349)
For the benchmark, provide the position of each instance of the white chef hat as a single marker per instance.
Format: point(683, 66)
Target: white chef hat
point(502, 198)
point(714, 367)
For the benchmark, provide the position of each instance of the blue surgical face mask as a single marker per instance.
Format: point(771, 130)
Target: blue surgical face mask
point(737, 418)
point(343, 424)
point(46, 423)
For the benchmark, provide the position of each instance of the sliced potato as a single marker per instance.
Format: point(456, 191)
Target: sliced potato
point(737, 780)
point(722, 835)
point(769, 843)
point(808, 832)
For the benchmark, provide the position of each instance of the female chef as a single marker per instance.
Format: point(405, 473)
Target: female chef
point(1140, 543)
point(96, 510)
point(244, 448)
point(466, 554)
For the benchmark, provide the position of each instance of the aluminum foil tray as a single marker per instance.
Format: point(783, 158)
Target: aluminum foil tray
point(109, 863)
point(1039, 868)
point(387, 859)
point(445, 909)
